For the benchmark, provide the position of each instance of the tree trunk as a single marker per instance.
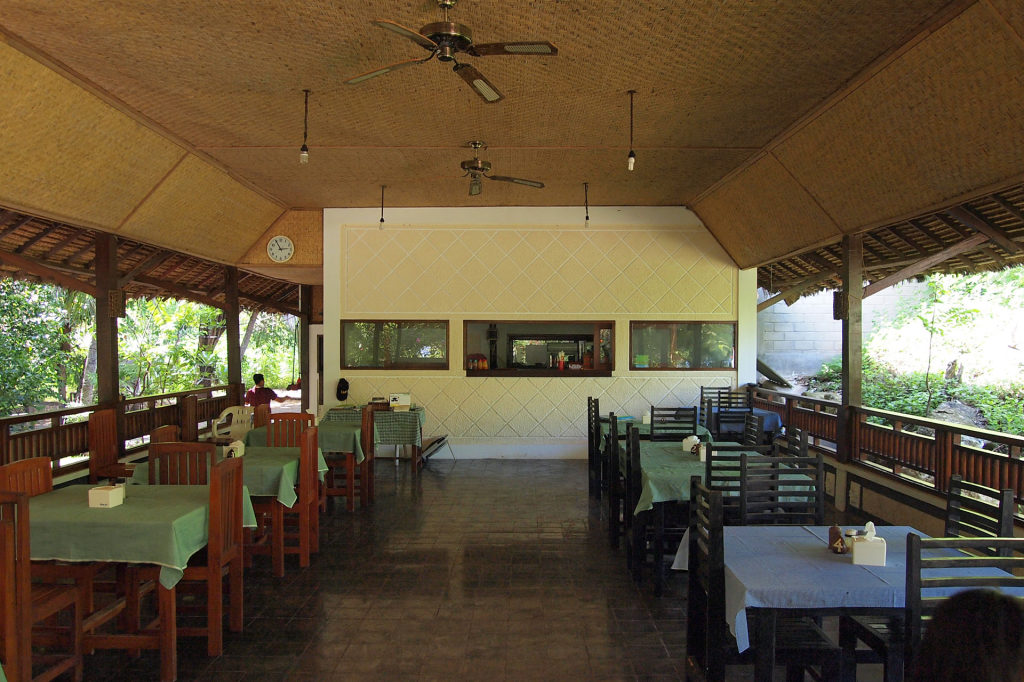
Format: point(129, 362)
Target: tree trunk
point(209, 334)
point(249, 327)
point(87, 386)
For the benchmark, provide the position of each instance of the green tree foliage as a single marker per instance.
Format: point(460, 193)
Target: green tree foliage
point(31, 336)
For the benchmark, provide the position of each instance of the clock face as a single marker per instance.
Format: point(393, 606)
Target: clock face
point(280, 248)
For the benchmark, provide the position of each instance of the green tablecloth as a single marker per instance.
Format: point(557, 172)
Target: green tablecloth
point(332, 436)
point(266, 471)
point(665, 470)
point(645, 429)
point(389, 427)
point(162, 525)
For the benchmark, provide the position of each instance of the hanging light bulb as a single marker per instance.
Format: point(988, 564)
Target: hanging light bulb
point(631, 159)
point(304, 150)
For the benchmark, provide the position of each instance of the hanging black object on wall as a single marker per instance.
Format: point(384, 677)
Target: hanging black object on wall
point(342, 392)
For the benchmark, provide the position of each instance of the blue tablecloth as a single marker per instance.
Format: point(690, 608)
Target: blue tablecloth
point(772, 421)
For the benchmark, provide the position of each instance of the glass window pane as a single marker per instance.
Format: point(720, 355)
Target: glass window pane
point(682, 345)
point(397, 344)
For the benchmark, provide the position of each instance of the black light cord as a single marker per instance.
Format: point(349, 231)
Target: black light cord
point(586, 201)
point(382, 206)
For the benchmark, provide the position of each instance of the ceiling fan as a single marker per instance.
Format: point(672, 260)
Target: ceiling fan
point(475, 169)
point(445, 39)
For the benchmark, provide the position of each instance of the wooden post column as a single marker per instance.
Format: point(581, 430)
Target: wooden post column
point(305, 314)
point(231, 313)
point(107, 293)
point(849, 308)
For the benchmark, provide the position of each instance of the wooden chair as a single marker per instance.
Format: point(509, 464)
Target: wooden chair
point(241, 418)
point(283, 429)
point(652, 535)
point(303, 518)
point(29, 610)
point(673, 423)
point(980, 562)
point(260, 416)
point(222, 557)
point(800, 643)
point(594, 447)
point(105, 447)
point(616, 485)
point(753, 430)
point(180, 463)
point(33, 476)
point(782, 490)
point(168, 433)
point(972, 511)
point(723, 473)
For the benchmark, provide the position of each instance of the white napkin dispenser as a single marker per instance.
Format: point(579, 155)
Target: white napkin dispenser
point(869, 549)
point(104, 496)
point(400, 402)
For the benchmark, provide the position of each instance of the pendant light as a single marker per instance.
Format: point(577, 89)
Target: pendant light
point(304, 150)
point(382, 207)
point(631, 159)
point(586, 204)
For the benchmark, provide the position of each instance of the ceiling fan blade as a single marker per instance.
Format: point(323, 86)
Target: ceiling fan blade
point(480, 85)
point(383, 70)
point(532, 47)
point(412, 35)
point(518, 181)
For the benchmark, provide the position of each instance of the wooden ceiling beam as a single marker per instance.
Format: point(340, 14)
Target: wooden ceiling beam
point(16, 225)
point(79, 253)
point(1010, 208)
point(926, 232)
point(920, 266)
point(975, 221)
point(796, 289)
point(42, 270)
point(142, 267)
point(180, 291)
point(56, 248)
point(43, 234)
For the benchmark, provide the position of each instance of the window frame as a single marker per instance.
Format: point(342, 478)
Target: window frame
point(632, 354)
point(403, 366)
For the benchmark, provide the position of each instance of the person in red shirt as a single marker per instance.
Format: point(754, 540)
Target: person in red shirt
point(260, 395)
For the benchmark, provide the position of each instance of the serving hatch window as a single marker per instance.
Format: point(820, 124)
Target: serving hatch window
point(394, 344)
point(682, 345)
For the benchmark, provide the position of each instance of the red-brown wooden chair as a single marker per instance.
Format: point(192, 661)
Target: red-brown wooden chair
point(32, 476)
point(24, 604)
point(222, 557)
point(283, 430)
point(104, 447)
point(260, 416)
point(168, 433)
point(300, 524)
point(180, 463)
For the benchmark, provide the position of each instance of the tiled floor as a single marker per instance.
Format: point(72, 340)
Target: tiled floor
point(477, 569)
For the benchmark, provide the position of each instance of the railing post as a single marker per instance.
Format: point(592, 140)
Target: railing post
point(188, 417)
point(944, 459)
point(5, 444)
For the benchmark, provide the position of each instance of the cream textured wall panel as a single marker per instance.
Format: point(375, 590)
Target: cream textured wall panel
point(67, 154)
point(306, 230)
point(530, 271)
point(634, 264)
point(198, 205)
point(943, 119)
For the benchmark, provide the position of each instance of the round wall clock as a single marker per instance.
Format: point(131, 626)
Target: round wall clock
point(280, 249)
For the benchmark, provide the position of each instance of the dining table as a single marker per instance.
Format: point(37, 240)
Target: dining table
point(156, 525)
point(776, 570)
point(332, 436)
point(644, 428)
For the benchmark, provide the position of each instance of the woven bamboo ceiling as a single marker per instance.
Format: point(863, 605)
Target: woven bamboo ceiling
point(783, 125)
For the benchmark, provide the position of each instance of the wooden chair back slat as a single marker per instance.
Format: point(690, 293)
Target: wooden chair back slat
point(225, 510)
point(104, 448)
point(283, 429)
point(780, 490)
point(15, 587)
point(32, 476)
point(723, 473)
point(169, 433)
point(753, 429)
point(180, 463)
point(673, 423)
point(975, 510)
point(260, 415)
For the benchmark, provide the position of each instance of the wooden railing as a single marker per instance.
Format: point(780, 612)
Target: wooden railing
point(62, 435)
point(915, 450)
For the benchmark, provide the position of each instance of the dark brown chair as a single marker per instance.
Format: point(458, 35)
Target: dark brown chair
point(301, 536)
point(594, 447)
point(180, 463)
point(169, 433)
point(799, 644)
point(222, 557)
point(614, 470)
point(105, 447)
point(753, 430)
point(32, 476)
point(782, 490)
point(673, 423)
point(972, 511)
point(283, 429)
point(723, 473)
point(260, 416)
point(28, 611)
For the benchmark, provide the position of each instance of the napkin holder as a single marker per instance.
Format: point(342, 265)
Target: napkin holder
point(105, 496)
point(234, 449)
point(400, 402)
point(869, 549)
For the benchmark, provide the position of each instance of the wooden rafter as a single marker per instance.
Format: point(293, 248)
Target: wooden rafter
point(143, 266)
point(977, 222)
point(924, 264)
point(41, 270)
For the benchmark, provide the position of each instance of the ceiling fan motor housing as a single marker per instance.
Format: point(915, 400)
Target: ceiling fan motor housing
point(476, 166)
point(450, 38)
